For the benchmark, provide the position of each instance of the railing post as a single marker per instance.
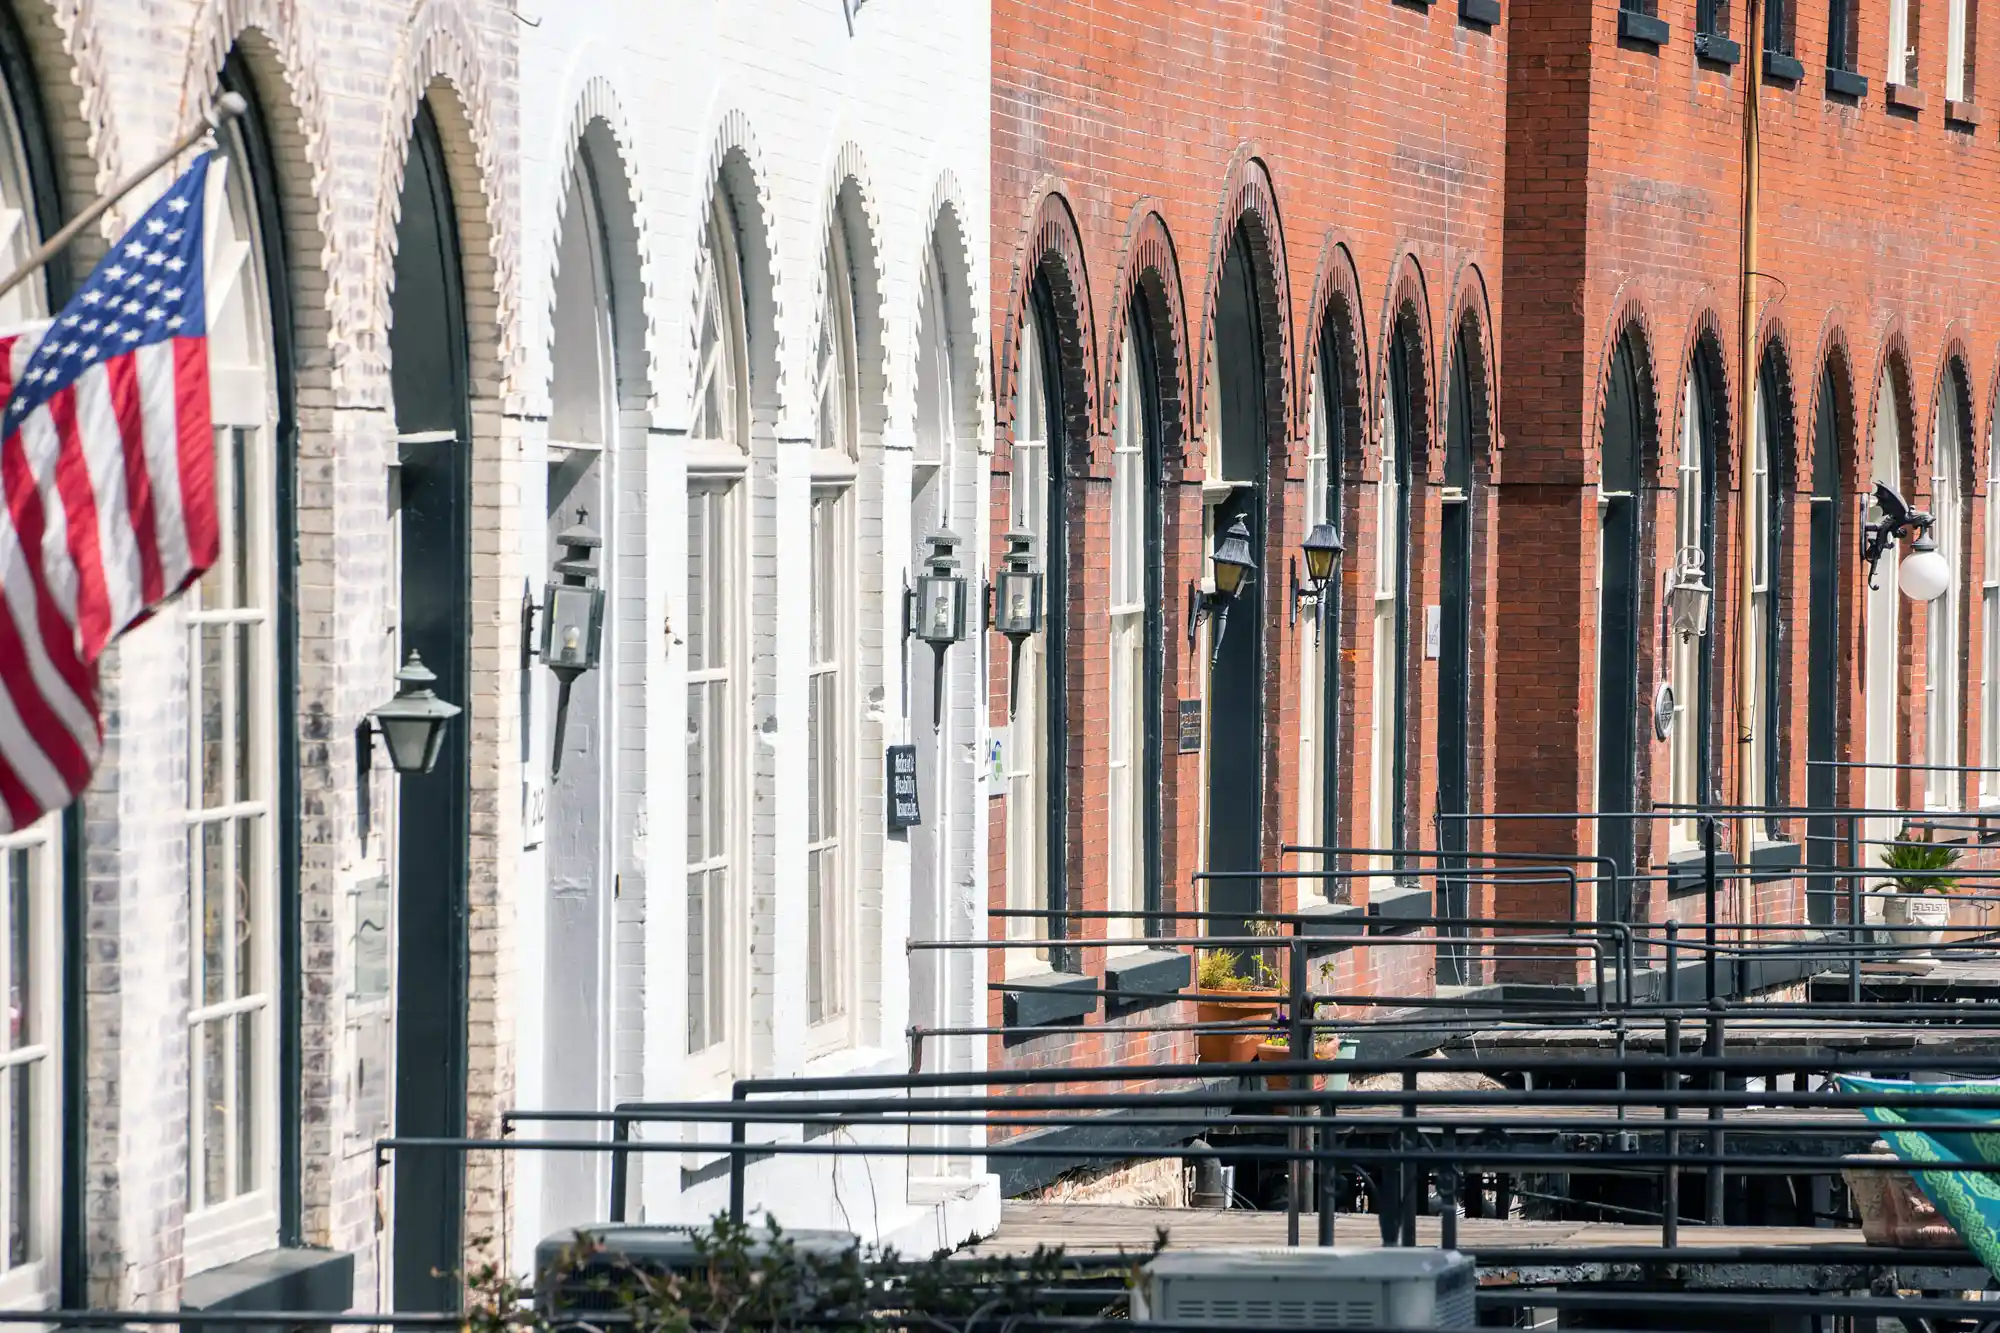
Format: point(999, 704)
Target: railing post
point(1708, 838)
point(1325, 1176)
point(1854, 909)
point(1673, 964)
point(1716, 1175)
point(1670, 1188)
point(738, 1166)
point(1301, 1045)
point(621, 1131)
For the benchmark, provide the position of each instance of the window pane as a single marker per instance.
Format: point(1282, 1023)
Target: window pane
point(214, 1116)
point(249, 782)
point(214, 743)
point(247, 1089)
point(700, 1035)
point(248, 871)
point(698, 749)
point(216, 919)
point(24, 1123)
point(23, 975)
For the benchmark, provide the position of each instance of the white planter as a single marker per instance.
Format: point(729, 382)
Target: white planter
point(1925, 916)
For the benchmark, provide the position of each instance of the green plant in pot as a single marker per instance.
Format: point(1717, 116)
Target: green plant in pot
point(1919, 902)
point(1226, 994)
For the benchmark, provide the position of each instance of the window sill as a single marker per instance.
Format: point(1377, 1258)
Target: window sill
point(282, 1279)
point(1772, 859)
point(1846, 83)
point(1041, 999)
point(1480, 13)
point(1963, 113)
point(1642, 28)
point(1146, 977)
point(1716, 49)
point(1686, 872)
point(1783, 68)
point(1399, 908)
point(1904, 97)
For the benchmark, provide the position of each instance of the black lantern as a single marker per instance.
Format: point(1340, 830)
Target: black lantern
point(935, 610)
point(573, 606)
point(1322, 548)
point(1017, 604)
point(1234, 567)
point(412, 723)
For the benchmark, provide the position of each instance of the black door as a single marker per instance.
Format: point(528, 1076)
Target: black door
point(1334, 370)
point(1618, 628)
point(1454, 657)
point(1823, 651)
point(1399, 713)
point(428, 379)
point(1235, 686)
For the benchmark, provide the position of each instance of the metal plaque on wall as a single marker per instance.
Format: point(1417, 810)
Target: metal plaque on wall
point(903, 810)
point(1190, 726)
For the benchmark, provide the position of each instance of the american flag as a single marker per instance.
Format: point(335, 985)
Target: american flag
point(108, 468)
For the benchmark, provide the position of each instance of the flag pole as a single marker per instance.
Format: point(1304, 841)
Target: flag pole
point(227, 107)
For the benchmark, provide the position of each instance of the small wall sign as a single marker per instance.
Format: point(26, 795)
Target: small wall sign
point(1433, 631)
point(903, 810)
point(1190, 726)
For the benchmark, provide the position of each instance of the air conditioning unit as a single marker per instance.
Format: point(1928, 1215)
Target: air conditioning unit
point(1309, 1288)
point(584, 1289)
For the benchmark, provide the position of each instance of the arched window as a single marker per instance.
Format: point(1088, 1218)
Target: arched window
point(1319, 716)
point(1454, 647)
point(718, 456)
point(1767, 504)
point(1037, 734)
point(1619, 597)
point(1944, 656)
point(1989, 625)
point(31, 870)
point(1135, 638)
point(1392, 610)
point(830, 679)
point(1881, 681)
point(236, 708)
point(1694, 537)
point(1823, 651)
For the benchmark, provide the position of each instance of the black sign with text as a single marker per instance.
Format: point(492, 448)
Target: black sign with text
point(903, 810)
point(1190, 726)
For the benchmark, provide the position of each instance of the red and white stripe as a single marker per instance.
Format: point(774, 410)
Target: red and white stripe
point(110, 509)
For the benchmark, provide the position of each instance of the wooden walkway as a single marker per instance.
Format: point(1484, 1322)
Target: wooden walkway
point(1515, 1253)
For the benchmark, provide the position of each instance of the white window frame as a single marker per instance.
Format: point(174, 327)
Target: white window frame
point(31, 1281)
point(1382, 710)
point(831, 926)
point(1943, 653)
point(1027, 742)
point(717, 469)
point(1989, 626)
point(241, 1216)
point(1958, 49)
point(1757, 704)
point(1881, 676)
point(1903, 56)
point(1684, 747)
point(1317, 654)
point(1126, 877)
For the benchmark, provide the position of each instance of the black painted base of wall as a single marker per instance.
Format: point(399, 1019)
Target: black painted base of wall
point(285, 1279)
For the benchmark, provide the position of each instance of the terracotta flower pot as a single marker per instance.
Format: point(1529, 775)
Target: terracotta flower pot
point(1236, 1048)
point(1894, 1212)
point(1280, 1050)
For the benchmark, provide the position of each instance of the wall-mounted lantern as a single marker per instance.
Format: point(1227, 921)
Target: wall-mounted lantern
point(934, 610)
point(1323, 549)
point(1016, 605)
point(412, 724)
point(572, 620)
point(1234, 567)
point(1688, 595)
point(1924, 575)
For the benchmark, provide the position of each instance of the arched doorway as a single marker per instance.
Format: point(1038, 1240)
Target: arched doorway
point(1239, 460)
point(1623, 445)
point(428, 383)
point(1823, 648)
point(1454, 731)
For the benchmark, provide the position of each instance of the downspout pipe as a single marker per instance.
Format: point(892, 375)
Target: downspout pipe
point(1746, 408)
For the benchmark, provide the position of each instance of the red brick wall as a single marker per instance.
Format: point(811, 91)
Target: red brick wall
point(1366, 137)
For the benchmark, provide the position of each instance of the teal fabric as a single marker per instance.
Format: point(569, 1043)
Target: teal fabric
point(1969, 1200)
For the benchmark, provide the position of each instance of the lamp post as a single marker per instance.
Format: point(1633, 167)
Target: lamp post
point(1322, 548)
point(412, 723)
point(1017, 604)
point(1234, 566)
point(572, 620)
point(934, 610)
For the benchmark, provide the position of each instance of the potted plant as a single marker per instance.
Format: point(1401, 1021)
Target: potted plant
point(1920, 897)
point(1326, 1047)
point(1224, 994)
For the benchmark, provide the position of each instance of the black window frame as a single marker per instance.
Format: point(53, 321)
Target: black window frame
point(1335, 365)
point(1777, 450)
point(1823, 642)
point(1152, 776)
point(1041, 308)
point(1623, 450)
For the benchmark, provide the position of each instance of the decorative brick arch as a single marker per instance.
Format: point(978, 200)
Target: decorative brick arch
point(1774, 349)
point(850, 205)
point(63, 39)
point(1631, 315)
point(222, 26)
point(441, 66)
point(946, 233)
point(1895, 365)
point(1704, 343)
point(1471, 309)
point(1954, 370)
point(1150, 276)
point(1833, 354)
point(734, 165)
point(1406, 318)
point(1336, 313)
point(1250, 207)
point(599, 131)
point(1054, 251)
